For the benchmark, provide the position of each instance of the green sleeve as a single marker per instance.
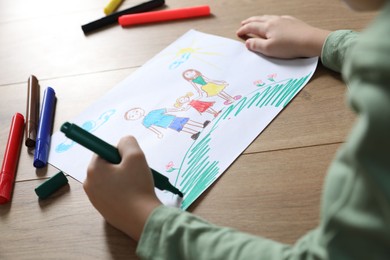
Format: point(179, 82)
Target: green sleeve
point(173, 234)
point(336, 47)
point(356, 201)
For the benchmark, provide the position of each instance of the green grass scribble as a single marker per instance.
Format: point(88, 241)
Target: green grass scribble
point(197, 170)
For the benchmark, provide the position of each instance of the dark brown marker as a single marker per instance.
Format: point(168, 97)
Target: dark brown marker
point(32, 111)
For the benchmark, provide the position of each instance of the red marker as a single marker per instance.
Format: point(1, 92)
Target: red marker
point(164, 15)
point(11, 158)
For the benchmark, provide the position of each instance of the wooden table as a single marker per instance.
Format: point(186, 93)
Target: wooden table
point(282, 171)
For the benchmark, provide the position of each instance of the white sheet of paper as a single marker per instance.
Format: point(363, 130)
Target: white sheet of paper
point(198, 78)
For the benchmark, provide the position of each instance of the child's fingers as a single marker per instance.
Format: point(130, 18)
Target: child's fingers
point(93, 165)
point(258, 45)
point(260, 18)
point(97, 165)
point(130, 151)
point(127, 144)
point(250, 20)
point(253, 28)
point(97, 172)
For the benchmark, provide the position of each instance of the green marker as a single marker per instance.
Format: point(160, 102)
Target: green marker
point(110, 153)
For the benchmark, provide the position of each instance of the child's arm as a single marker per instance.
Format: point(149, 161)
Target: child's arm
point(282, 36)
point(123, 193)
point(173, 234)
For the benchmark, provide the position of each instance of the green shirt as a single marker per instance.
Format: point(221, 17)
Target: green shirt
point(355, 207)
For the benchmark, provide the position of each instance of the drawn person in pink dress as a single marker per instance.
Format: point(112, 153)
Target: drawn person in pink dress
point(212, 88)
point(185, 102)
point(159, 118)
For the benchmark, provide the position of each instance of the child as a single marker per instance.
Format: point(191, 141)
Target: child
point(355, 211)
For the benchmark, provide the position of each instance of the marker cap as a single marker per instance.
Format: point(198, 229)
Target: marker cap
point(112, 6)
point(51, 185)
point(41, 153)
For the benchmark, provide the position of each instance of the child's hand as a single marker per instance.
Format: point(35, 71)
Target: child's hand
point(282, 36)
point(123, 193)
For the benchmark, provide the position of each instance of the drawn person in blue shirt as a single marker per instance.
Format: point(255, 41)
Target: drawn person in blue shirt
point(159, 118)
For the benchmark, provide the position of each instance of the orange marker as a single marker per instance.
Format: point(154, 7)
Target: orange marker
point(164, 15)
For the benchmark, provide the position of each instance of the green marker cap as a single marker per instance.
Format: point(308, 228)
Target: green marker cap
point(51, 185)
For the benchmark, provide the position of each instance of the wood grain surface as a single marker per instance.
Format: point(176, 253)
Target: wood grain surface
point(273, 189)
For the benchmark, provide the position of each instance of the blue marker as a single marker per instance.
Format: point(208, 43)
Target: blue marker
point(44, 128)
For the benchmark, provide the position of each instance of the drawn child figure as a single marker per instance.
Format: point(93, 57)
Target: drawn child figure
point(159, 118)
point(208, 86)
point(185, 102)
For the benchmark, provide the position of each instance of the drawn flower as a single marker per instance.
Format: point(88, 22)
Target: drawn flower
point(169, 167)
point(259, 83)
point(271, 77)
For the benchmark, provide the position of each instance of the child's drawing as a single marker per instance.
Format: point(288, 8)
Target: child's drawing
point(90, 126)
point(160, 118)
point(250, 88)
point(258, 83)
point(210, 87)
point(271, 77)
point(186, 102)
point(170, 167)
point(180, 60)
point(185, 53)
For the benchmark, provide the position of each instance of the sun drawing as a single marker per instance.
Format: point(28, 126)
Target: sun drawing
point(184, 54)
